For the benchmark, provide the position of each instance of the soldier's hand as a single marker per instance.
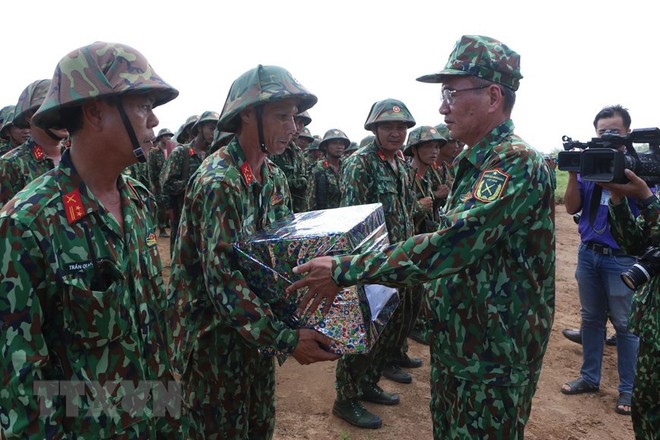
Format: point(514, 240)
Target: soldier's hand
point(320, 283)
point(442, 192)
point(310, 347)
point(426, 203)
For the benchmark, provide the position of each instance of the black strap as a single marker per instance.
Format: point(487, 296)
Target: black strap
point(137, 150)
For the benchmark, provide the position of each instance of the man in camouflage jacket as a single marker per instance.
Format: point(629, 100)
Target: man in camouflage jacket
point(83, 348)
point(491, 264)
point(221, 327)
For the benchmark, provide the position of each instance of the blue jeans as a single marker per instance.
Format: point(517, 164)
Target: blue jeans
point(603, 294)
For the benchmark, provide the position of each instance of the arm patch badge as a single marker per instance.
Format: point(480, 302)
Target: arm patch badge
point(490, 185)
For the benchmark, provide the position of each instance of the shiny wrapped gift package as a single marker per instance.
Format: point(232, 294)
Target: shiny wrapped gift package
point(266, 260)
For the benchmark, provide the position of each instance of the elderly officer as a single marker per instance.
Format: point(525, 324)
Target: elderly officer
point(492, 305)
point(224, 326)
point(83, 348)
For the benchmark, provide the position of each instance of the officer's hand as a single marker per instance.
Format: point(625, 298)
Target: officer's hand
point(636, 188)
point(426, 203)
point(320, 283)
point(442, 192)
point(309, 348)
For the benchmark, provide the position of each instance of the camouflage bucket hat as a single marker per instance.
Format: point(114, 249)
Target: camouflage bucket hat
point(6, 117)
point(420, 135)
point(483, 57)
point(163, 132)
point(389, 110)
point(305, 133)
point(305, 118)
point(206, 116)
point(100, 70)
point(258, 86)
point(367, 140)
point(29, 101)
point(331, 134)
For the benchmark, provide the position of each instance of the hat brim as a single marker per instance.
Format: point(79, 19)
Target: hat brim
point(441, 76)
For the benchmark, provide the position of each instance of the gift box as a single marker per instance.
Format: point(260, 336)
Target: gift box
point(266, 260)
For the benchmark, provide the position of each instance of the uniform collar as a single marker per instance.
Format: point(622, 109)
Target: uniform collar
point(481, 151)
point(235, 150)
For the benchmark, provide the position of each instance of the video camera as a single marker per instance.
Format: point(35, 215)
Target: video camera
point(601, 161)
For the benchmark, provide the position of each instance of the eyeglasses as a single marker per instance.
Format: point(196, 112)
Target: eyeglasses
point(448, 94)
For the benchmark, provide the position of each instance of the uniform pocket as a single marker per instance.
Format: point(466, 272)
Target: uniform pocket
point(94, 305)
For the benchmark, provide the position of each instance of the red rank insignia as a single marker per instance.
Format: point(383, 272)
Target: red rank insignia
point(73, 206)
point(326, 164)
point(247, 173)
point(192, 152)
point(381, 155)
point(38, 152)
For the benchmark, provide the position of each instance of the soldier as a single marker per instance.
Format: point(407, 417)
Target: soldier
point(181, 164)
point(376, 174)
point(220, 139)
point(352, 148)
point(313, 154)
point(10, 135)
point(184, 134)
point(442, 171)
point(292, 162)
point(423, 145)
point(224, 326)
point(155, 165)
point(305, 138)
point(82, 340)
point(324, 184)
point(493, 308)
point(40, 153)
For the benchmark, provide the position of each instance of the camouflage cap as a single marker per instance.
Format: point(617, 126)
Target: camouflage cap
point(31, 98)
point(261, 85)
point(389, 110)
point(305, 118)
point(163, 132)
point(305, 133)
point(100, 70)
point(331, 134)
point(420, 135)
point(204, 117)
point(367, 140)
point(6, 117)
point(483, 57)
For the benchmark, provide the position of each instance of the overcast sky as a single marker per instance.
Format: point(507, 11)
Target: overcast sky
point(576, 57)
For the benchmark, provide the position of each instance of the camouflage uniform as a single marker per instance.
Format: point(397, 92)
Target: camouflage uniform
point(493, 308)
point(325, 184)
point(369, 178)
point(634, 236)
point(65, 306)
point(140, 172)
point(173, 180)
point(229, 385)
point(20, 166)
point(155, 163)
point(6, 119)
point(292, 162)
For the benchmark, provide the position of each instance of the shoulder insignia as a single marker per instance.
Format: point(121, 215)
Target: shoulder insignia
point(381, 155)
point(490, 185)
point(73, 206)
point(38, 152)
point(247, 173)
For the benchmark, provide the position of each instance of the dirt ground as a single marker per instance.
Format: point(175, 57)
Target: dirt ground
point(305, 393)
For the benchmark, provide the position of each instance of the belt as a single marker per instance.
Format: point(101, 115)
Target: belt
point(603, 249)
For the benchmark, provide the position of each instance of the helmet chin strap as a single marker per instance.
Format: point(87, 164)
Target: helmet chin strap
point(137, 149)
point(260, 129)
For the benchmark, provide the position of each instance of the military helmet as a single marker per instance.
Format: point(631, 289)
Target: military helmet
point(353, 146)
point(331, 134)
point(206, 116)
point(305, 117)
point(305, 133)
point(221, 137)
point(420, 135)
point(261, 85)
point(100, 70)
point(444, 132)
point(6, 118)
point(31, 98)
point(314, 145)
point(367, 140)
point(185, 128)
point(163, 132)
point(388, 110)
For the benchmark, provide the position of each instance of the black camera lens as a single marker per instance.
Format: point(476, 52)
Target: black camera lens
point(636, 276)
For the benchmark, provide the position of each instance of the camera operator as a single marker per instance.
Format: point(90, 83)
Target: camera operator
point(600, 264)
point(636, 235)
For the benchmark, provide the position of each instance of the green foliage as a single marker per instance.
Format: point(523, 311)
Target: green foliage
point(562, 179)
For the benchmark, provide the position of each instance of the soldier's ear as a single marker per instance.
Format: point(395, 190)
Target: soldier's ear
point(93, 112)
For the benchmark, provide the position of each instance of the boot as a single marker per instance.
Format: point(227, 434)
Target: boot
point(375, 394)
point(395, 373)
point(353, 412)
point(408, 362)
